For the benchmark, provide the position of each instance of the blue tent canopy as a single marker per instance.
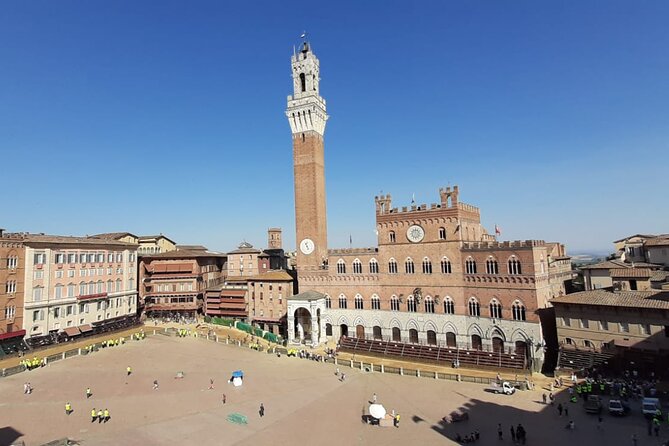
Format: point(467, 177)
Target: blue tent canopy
point(237, 374)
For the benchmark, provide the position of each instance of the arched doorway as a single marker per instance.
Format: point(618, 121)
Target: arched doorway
point(360, 331)
point(343, 330)
point(477, 343)
point(431, 337)
point(302, 325)
point(328, 329)
point(521, 349)
point(413, 336)
point(376, 331)
point(397, 334)
point(450, 339)
point(497, 344)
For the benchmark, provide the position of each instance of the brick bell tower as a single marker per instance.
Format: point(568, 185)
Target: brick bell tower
point(307, 116)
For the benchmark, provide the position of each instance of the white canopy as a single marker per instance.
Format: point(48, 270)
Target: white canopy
point(377, 411)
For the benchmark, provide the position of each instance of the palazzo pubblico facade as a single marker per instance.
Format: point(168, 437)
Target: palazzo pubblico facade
point(437, 278)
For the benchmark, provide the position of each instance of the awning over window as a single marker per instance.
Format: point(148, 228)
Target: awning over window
point(72, 331)
point(12, 334)
point(85, 328)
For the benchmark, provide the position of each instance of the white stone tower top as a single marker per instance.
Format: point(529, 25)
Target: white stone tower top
point(306, 109)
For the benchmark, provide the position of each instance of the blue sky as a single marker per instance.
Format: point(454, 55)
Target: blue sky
point(168, 116)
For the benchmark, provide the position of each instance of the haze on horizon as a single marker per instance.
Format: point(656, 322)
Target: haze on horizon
point(161, 117)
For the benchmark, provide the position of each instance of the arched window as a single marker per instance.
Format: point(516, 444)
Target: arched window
point(376, 302)
point(442, 233)
point(357, 267)
point(446, 266)
point(514, 266)
point(342, 301)
point(391, 236)
point(411, 304)
point(431, 337)
point(358, 302)
point(328, 301)
point(373, 266)
point(495, 309)
point(110, 286)
point(491, 266)
point(392, 266)
point(474, 307)
point(70, 290)
point(118, 285)
point(58, 291)
point(470, 266)
point(408, 266)
point(82, 288)
point(303, 82)
point(376, 332)
point(449, 306)
point(91, 287)
point(427, 266)
point(394, 303)
point(100, 287)
point(568, 341)
point(518, 311)
point(587, 343)
point(477, 342)
point(328, 329)
point(341, 266)
point(429, 305)
point(413, 336)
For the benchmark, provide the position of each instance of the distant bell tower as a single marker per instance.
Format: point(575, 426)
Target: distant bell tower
point(307, 116)
point(274, 238)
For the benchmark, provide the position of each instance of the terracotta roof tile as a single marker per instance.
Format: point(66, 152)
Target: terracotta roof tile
point(632, 299)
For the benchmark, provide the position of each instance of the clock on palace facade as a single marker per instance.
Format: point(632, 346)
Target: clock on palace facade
point(415, 234)
point(307, 246)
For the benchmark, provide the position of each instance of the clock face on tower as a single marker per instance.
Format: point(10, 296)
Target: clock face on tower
point(307, 246)
point(415, 234)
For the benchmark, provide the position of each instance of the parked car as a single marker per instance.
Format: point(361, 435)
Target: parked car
point(618, 408)
point(593, 404)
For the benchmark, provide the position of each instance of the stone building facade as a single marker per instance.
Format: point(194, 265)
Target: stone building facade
point(436, 277)
point(12, 265)
point(75, 284)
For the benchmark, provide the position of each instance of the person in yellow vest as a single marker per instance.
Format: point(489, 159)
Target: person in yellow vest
point(397, 420)
point(100, 416)
point(68, 408)
point(94, 415)
point(129, 370)
point(106, 415)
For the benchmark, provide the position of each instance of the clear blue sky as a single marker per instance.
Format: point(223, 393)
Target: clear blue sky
point(166, 116)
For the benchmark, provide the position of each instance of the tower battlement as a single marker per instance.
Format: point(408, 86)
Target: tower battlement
point(508, 244)
point(448, 200)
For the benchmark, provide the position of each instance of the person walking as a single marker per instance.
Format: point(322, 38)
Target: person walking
point(261, 411)
point(543, 397)
point(211, 383)
point(566, 411)
point(559, 409)
point(374, 398)
point(499, 431)
point(224, 398)
point(155, 384)
point(88, 393)
point(101, 416)
point(513, 435)
point(68, 408)
point(634, 439)
point(30, 388)
point(128, 370)
point(106, 415)
point(600, 420)
point(94, 415)
point(397, 420)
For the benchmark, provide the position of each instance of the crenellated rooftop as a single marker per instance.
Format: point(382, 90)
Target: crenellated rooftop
point(352, 251)
point(448, 201)
point(509, 244)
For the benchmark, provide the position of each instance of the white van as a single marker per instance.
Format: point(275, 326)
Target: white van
point(650, 407)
